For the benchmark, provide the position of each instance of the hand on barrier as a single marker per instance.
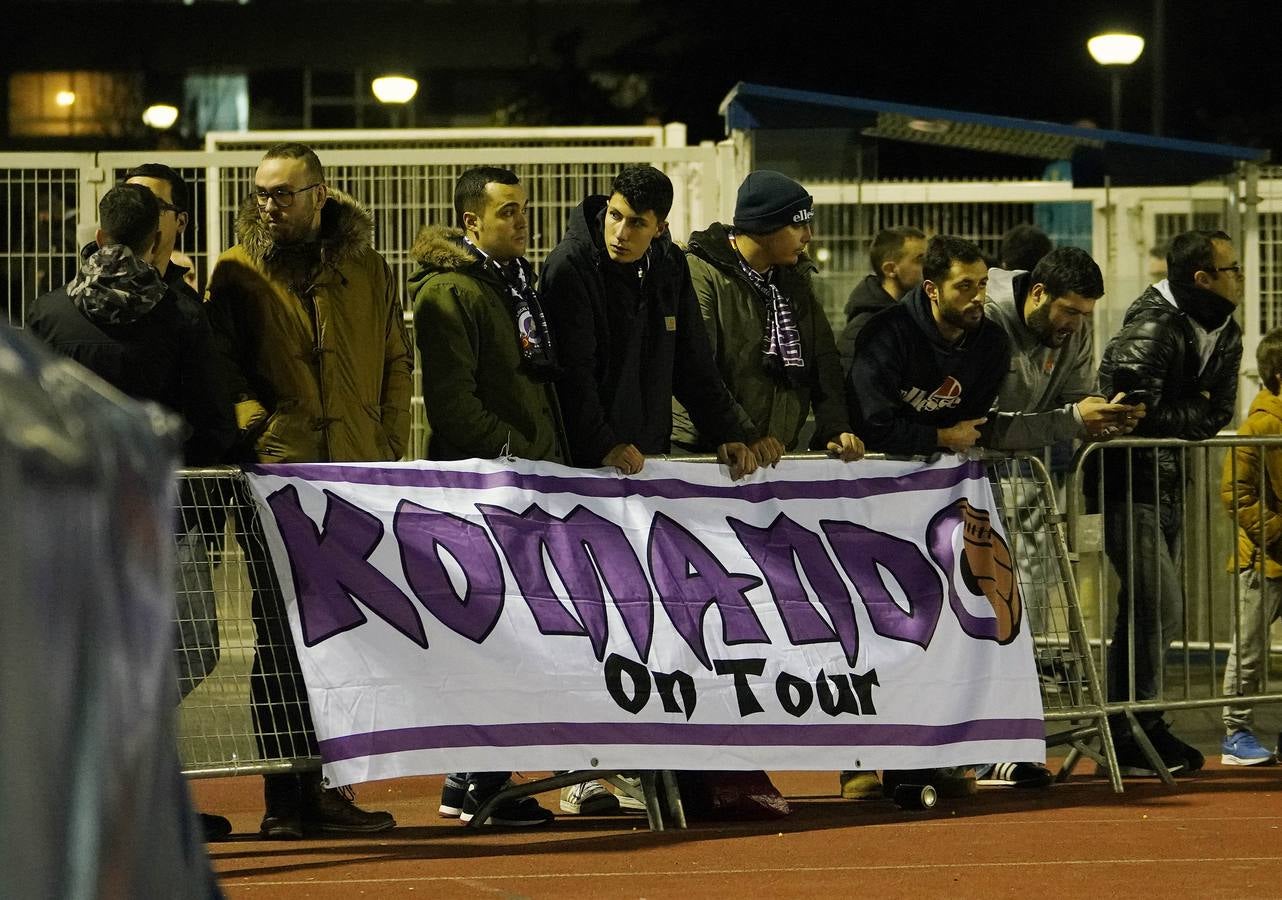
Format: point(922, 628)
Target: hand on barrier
point(847, 447)
point(626, 458)
point(739, 457)
point(959, 437)
point(768, 450)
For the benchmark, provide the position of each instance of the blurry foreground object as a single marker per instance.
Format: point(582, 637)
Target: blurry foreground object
point(92, 803)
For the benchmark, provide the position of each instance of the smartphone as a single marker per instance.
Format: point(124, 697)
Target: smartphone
point(1135, 398)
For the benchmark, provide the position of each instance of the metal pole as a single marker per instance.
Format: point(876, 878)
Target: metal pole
point(1116, 75)
point(1158, 43)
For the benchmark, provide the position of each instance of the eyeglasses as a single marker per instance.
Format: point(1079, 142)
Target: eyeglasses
point(284, 197)
point(1236, 270)
point(168, 207)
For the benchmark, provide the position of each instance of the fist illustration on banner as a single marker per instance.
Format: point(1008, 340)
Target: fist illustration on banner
point(987, 568)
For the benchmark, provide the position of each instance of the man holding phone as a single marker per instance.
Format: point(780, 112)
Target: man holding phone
point(1180, 345)
point(1050, 395)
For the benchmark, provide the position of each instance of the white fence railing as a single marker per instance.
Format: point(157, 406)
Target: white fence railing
point(406, 179)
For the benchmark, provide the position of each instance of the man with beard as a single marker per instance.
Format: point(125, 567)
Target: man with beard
point(924, 376)
point(312, 336)
point(1049, 395)
point(1179, 347)
point(896, 256)
point(926, 370)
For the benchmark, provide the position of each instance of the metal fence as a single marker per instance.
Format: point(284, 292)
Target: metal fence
point(406, 180)
point(1162, 576)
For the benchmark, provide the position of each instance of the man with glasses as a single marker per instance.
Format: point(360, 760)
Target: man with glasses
point(311, 331)
point(1178, 353)
point(175, 214)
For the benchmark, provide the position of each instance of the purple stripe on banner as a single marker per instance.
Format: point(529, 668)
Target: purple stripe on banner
point(671, 488)
point(551, 734)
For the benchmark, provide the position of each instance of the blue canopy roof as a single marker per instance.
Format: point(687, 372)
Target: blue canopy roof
point(754, 106)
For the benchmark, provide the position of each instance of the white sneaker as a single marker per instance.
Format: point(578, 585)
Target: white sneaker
point(627, 802)
point(588, 799)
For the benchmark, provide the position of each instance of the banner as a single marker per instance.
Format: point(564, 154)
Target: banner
point(479, 615)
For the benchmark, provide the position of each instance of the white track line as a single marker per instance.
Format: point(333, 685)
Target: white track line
point(689, 873)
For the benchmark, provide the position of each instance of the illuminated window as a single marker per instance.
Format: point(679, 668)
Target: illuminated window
point(73, 104)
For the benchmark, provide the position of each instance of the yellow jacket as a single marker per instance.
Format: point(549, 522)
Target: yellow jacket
point(1255, 496)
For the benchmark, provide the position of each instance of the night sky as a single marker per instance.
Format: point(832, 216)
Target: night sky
point(536, 59)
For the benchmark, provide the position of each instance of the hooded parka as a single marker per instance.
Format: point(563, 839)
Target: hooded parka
point(480, 401)
point(328, 360)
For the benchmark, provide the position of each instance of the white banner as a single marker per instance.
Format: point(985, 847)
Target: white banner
point(478, 616)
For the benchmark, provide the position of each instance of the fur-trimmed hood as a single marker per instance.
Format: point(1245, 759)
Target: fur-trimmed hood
point(440, 248)
point(347, 229)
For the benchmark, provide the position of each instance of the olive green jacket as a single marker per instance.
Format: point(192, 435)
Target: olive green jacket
point(478, 399)
point(735, 317)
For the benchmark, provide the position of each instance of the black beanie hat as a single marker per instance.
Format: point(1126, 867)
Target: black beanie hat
point(768, 201)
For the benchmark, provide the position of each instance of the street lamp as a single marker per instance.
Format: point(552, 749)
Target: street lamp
point(1116, 50)
point(395, 91)
point(160, 116)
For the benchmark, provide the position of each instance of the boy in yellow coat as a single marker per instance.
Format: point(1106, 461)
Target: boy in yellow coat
point(1251, 489)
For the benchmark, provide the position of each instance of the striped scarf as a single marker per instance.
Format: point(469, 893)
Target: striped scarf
point(538, 357)
point(781, 344)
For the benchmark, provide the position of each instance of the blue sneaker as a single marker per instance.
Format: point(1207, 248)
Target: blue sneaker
point(1242, 749)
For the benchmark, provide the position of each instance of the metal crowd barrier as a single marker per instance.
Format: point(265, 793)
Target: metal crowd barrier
point(230, 611)
point(1181, 562)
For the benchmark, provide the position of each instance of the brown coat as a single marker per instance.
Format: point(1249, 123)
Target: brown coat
point(330, 362)
point(1255, 496)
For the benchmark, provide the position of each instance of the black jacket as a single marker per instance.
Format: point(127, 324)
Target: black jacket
point(164, 355)
point(627, 353)
point(866, 300)
point(1157, 351)
point(907, 381)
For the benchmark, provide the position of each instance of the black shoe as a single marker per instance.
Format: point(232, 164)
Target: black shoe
point(1132, 763)
point(334, 809)
point(523, 812)
point(216, 828)
point(1168, 744)
point(283, 820)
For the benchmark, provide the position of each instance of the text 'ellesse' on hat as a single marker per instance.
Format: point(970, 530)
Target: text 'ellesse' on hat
point(768, 201)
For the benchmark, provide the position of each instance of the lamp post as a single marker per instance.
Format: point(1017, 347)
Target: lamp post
point(1116, 50)
point(394, 91)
